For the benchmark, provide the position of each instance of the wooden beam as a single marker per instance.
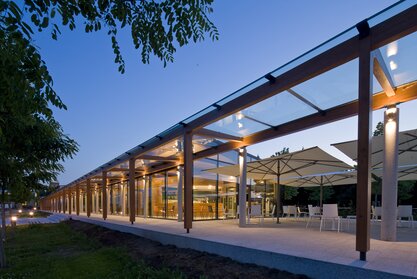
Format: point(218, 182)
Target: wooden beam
point(77, 199)
point(363, 188)
point(382, 74)
point(69, 201)
point(404, 93)
point(188, 181)
point(63, 201)
point(158, 158)
point(217, 135)
point(132, 196)
point(125, 169)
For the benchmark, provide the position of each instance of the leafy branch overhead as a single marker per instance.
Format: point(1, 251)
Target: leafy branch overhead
point(155, 26)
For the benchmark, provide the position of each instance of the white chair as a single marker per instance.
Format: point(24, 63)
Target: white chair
point(405, 211)
point(256, 212)
point(330, 212)
point(301, 213)
point(284, 211)
point(271, 213)
point(313, 212)
point(292, 211)
point(228, 213)
point(376, 212)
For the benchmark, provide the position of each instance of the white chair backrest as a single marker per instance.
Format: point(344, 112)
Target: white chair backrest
point(313, 210)
point(330, 210)
point(292, 209)
point(405, 210)
point(273, 210)
point(378, 211)
point(285, 209)
point(256, 210)
point(373, 210)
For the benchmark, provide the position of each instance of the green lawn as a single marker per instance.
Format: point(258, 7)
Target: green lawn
point(55, 251)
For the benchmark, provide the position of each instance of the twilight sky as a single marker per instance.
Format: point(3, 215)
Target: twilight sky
point(109, 113)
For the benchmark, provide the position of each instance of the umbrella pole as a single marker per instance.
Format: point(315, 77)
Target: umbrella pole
point(321, 193)
point(278, 194)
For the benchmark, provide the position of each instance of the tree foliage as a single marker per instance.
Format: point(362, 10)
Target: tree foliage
point(156, 27)
point(314, 195)
point(379, 129)
point(32, 143)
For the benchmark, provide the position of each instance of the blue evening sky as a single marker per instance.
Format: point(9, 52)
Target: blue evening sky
point(109, 113)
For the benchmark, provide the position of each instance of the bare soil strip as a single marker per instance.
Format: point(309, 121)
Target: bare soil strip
point(192, 263)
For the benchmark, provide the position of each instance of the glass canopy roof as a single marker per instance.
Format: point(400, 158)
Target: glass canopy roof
point(330, 89)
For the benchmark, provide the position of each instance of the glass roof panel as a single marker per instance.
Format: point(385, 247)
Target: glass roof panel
point(167, 150)
point(278, 109)
point(401, 59)
point(242, 91)
point(335, 87)
point(349, 33)
point(390, 11)
point(237, 125)
point(201, 143)
point(198, 114)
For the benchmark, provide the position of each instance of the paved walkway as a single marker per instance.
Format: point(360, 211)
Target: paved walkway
point(54, 218)
point(289, 245)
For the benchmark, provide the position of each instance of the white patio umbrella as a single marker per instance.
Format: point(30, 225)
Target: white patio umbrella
point(407, 149)
point(300, 163)
point(408, 172)
point(324, 179)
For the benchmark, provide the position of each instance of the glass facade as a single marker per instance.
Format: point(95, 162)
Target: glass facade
point(157, 196)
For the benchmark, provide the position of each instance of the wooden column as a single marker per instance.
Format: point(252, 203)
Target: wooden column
point(77, 199)
point(63, 201)
point(104, 194)
point(180, 174)
point(363, 190)
point(132, 196)
point(69, 201)
point(188, 181)
point(88, 197)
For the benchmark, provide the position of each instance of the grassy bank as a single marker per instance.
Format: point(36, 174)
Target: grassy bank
point(56, 251)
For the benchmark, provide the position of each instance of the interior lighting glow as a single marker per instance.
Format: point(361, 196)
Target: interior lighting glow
point(239, 116)
point(393, 65)
point(391, 114)
point(240, 125)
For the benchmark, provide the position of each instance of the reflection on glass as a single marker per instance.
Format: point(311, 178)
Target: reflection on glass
point(227, 196)
point(263, 193)
point(140, 196)
point(172, 197)
point(157, 195)
point(401, 59)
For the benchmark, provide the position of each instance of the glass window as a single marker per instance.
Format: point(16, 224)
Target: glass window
point(140, 196)
point(204, 190)
point(157, 196)
point(172, 194)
